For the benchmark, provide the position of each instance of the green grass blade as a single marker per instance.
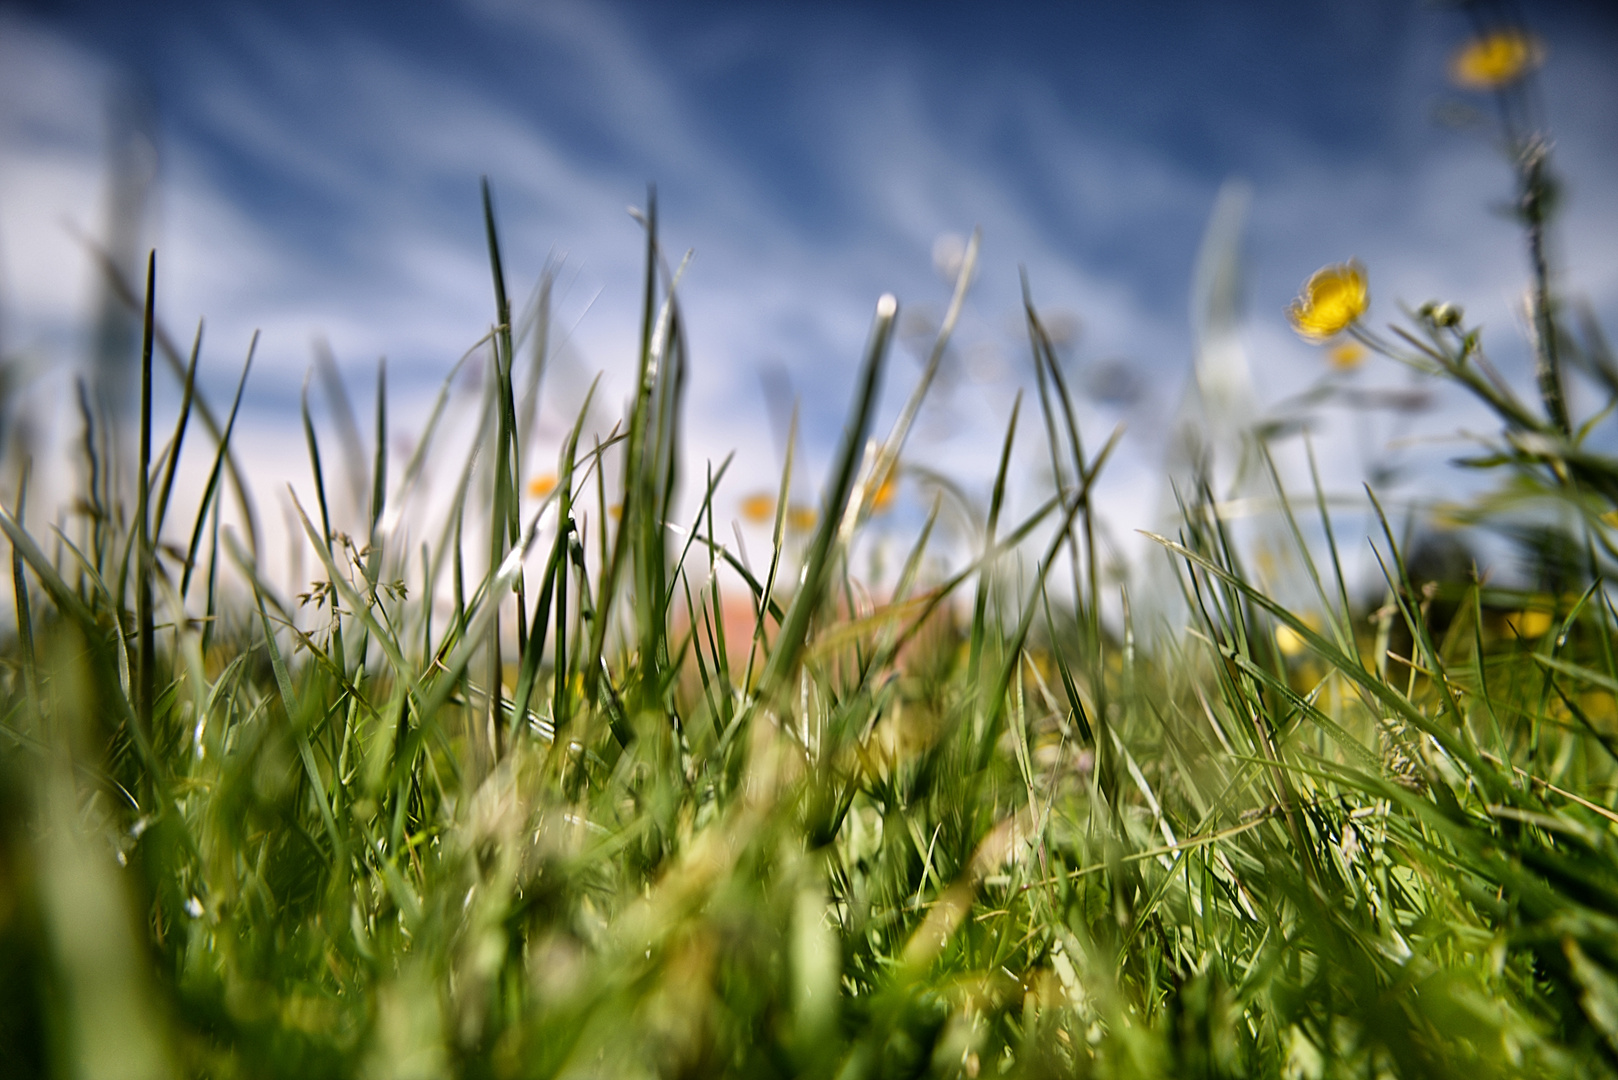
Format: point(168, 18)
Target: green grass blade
point(178, 439)
point(795, 629)
point(379, 463)
point(146, 672)
point(19, 587)
point(210, 491)
point(342, 416)
point(312, 441)
point(997, 498)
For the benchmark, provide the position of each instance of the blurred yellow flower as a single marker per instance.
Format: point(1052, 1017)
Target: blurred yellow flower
point(1332, 298)
point(1530, 624)
point(541, 486)
point(1496, 60)
point(1289, 641)
point(1347, 356)
point(801, 518)
point(885, 492)
point(758, 507)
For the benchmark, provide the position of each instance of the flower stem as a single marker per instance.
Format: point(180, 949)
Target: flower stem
point(1533, 170)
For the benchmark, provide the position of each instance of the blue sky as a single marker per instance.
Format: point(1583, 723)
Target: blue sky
point(319, 166)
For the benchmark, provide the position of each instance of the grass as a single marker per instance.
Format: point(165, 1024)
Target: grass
point(511, 792)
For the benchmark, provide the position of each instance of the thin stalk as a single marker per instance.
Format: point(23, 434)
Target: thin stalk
point(146, 673)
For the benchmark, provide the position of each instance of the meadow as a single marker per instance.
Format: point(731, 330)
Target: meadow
point(538, 779)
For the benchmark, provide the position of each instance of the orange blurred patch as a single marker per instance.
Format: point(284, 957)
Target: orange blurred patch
point(758, 508)
point(1347, 356)
point(885, 493)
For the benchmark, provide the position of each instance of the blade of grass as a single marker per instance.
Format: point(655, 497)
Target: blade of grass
point(19, 593)
point(146, 673)
point(379, 464)
point(124, 289)
point(343, 417)
point(887, 458)
point(795, 629)
point(997, 499)
point(211, 489)
point(178, 438)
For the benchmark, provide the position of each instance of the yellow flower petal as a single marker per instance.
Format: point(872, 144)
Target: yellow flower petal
point(1331, 300)
point(1496, 60)
point(758, 507)
point(541, 486)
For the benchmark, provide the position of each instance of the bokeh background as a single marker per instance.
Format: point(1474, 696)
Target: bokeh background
point(310, 170)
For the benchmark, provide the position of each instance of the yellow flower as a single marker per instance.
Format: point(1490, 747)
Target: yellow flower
point(758, 507)
point(1330, 302)
point(1289, 641)
point(1496, 60)
point(1530, 623)
point(1347, 356)
point(541, 486)
point(801, 518)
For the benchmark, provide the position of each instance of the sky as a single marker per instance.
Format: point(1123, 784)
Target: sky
point(317, 169)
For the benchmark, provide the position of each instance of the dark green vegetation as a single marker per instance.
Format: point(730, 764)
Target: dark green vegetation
point(571, 825)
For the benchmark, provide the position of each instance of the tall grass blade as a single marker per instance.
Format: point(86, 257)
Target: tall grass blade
point(379, 463)
point(146, 672)
point(351, 444)
point(210, 490)
point(178, 439)
point(806, 602)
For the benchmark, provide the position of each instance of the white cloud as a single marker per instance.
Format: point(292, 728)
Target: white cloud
point(385, 150)
point(51, 141)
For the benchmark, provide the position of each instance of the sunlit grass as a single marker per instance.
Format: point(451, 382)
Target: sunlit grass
point(553, 782)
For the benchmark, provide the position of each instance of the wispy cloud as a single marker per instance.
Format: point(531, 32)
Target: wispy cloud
point(323, 182)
